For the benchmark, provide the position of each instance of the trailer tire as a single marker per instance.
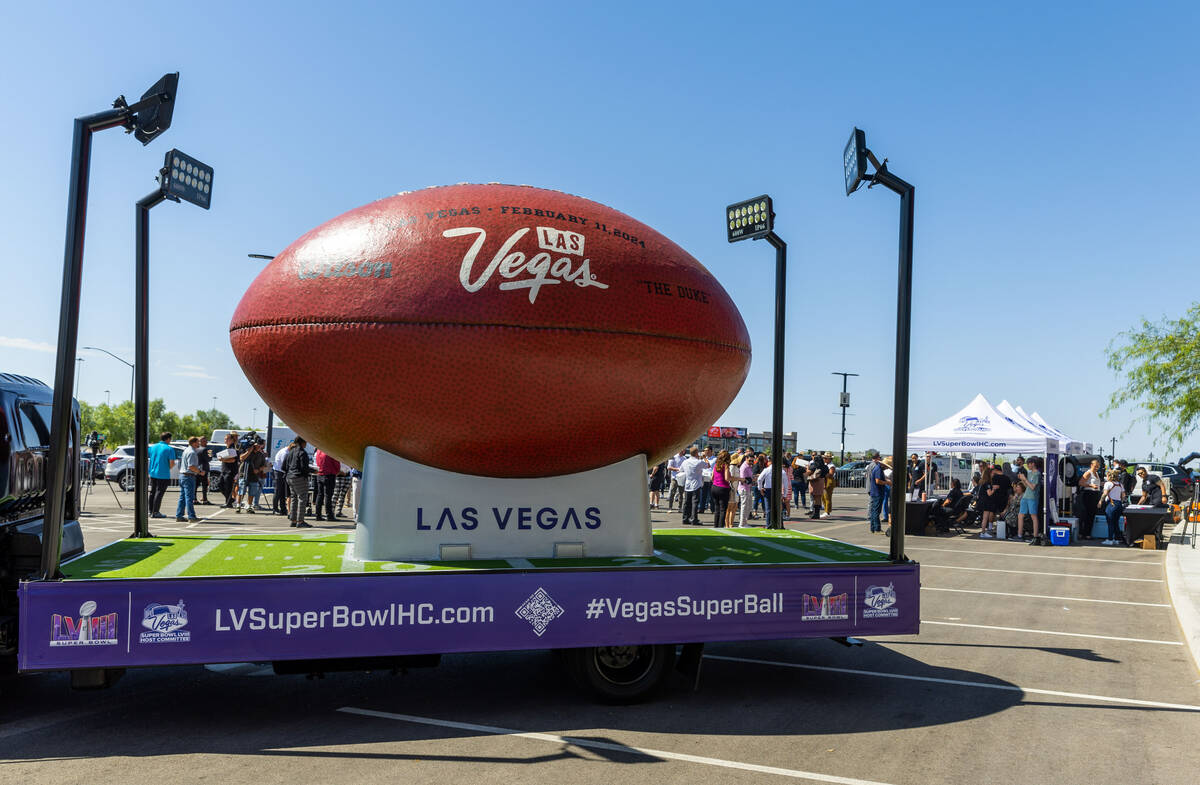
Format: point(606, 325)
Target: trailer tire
point(621, 674)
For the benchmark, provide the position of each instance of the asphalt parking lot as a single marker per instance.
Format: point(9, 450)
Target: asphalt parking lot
point(1061, 665)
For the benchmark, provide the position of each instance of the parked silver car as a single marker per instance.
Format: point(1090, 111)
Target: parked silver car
point(119, 468)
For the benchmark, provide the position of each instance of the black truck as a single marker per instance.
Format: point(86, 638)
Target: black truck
point(25, 406)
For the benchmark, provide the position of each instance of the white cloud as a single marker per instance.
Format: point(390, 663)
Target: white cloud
point(191, 367)
point(193, 374)
point(25, 343)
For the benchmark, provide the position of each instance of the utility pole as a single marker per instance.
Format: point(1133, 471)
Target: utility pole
point(844, 402)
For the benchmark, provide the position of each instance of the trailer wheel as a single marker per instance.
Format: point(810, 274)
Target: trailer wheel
point(621, 674)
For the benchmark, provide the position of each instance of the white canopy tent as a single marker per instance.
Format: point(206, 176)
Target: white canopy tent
point(979, 428)
point(1017, 416)
point(1074, 447)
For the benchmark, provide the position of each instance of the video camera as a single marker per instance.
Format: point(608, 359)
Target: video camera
point(248, 440)
point(95, 441)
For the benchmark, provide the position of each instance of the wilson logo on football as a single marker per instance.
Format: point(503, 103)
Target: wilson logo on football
point(526, 272)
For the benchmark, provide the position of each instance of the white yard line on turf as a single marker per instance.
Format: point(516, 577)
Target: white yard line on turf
point(962, 683)
point(191, 557)
point(610, 746)
point(772, 544)
point(1049, 597)
point(670, 558)
point(521, 564)
point(1052, 632)
point(1155, 563)
point(926, 566)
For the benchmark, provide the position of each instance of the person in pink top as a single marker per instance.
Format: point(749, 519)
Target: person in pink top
point(327, 472)
point(720, 488)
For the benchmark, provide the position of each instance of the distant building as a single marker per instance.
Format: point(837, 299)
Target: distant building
point(759, 442)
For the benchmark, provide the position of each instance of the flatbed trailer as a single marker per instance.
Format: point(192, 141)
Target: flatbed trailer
point(301, 601)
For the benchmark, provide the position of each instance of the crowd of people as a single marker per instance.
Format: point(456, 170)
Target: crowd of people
point(301, 486)
point(735, 486)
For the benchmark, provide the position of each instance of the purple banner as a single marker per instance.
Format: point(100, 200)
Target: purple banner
point(120, 623)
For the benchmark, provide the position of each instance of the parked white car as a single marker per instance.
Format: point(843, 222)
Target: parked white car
point(119, 468)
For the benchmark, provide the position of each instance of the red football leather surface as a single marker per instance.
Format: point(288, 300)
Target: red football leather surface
point(572, 339)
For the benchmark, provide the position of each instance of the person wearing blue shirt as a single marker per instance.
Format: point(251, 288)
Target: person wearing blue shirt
point(162, 460)
point(876, 485)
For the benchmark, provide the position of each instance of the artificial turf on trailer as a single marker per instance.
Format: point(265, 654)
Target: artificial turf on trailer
point(292, 553)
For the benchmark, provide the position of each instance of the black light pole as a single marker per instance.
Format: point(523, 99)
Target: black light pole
point(118, 359)
point(181, 178)
point(754, 219)
point(844, 402)
point(854, 159)
point(146, 119)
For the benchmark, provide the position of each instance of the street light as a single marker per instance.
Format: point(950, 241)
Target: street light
point(754, 219)
point(146, 119)
point(118, 359)
point(854, 160)
point(182, 178)
point(107, 398)
point(844, 402)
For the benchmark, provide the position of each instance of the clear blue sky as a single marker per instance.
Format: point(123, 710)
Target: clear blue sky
point(1051, 147)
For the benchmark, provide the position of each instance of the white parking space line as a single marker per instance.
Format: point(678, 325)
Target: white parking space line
point(191, 557)
point(1050, 597)
point(611, 747)
point(926, 566)
point(962, 683)
point(45, 721)
point(1141, 563)
point(1052, 632)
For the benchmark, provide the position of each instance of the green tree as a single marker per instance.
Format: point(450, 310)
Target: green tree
point(1161, 365)
point(116, 422)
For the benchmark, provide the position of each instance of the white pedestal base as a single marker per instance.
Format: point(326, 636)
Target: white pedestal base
point(412, 512)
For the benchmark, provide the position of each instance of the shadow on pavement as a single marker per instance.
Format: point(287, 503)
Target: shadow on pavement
point(187, 710)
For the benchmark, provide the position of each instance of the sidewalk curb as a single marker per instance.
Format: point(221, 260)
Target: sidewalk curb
point(1185, 593)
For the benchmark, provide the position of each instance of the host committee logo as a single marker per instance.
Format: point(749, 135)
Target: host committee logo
point(880, 602)
point(164, 624)
point(87, 630)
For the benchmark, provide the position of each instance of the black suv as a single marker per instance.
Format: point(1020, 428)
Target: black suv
point(25, 406)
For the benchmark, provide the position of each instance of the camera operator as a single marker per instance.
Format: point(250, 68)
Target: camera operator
point(95, 443)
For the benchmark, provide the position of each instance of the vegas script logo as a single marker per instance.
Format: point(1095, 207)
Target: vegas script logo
point(527, 272)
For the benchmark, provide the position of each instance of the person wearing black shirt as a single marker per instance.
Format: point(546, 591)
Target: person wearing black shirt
point(204, 455)
point(997, 494)
point(1154, 490)
point(297, 467)
point(916, 475)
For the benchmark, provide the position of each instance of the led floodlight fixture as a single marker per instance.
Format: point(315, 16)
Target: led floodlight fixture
point(155, 109)
point(186, 178)
point(854, 158)
point(749, 220)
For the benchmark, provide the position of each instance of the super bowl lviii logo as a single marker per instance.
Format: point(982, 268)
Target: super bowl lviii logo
point(89, 629)
point(164, 624)
point(520, 271)
point(826, 606)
